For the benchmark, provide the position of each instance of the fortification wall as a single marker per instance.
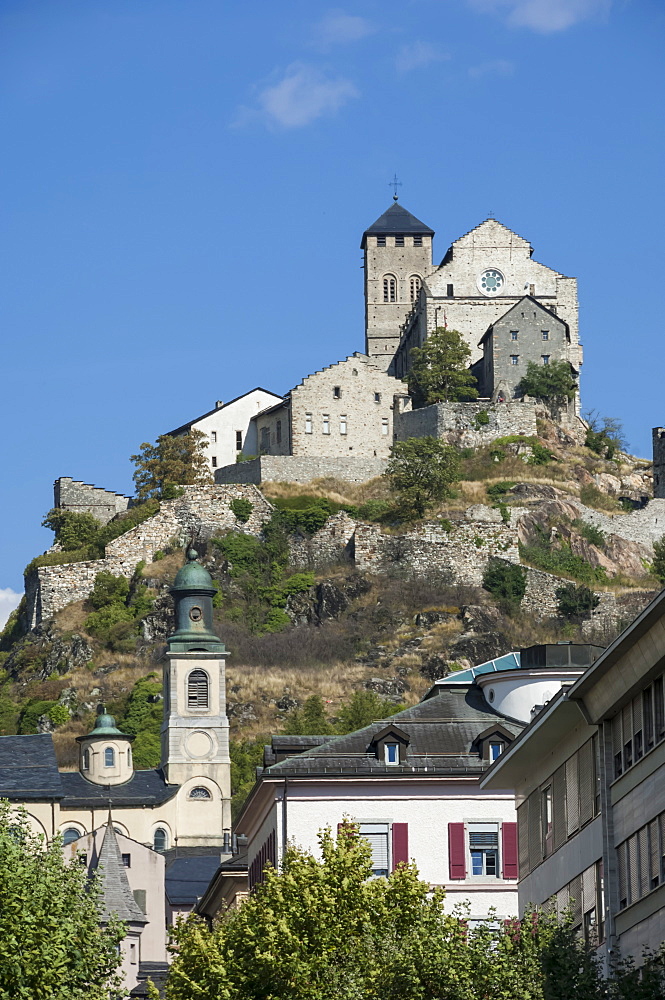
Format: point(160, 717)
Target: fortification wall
point(658, 437)
point(70, 494)
point(300, 469)
point(199, 513)
point(459, 423)
point(644, 526)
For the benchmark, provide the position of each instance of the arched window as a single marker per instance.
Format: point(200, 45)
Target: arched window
point(109, 757)
point(86, 760)
point(70, 835)
point(414, 286)
point(389, 288)
point(197, 689)
point(200, 793)
point(129, 756)
point(160, 839)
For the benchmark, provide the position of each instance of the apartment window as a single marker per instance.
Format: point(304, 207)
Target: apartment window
point(337, 392)
point(390, 288)
point(399, 240)
point(449, 291)
point(484, 849)
point(238, 440)
point(109, 757)
point(308, 423)
point(377, 835)
point(384, 425)
point(546, 334)
point(127, 861)
point(547, 820)
point(278, 428)
point(213, 437)
point(342, 425)
point(214, 461)
point(418, 240)
point(513, 334)
point(546, 359)
point(197, 689)
point(391, 753)
point(496, 749)
point(377, 397)
point(514, 359)
point(414, 286)
point(326, 423)
point(380, 241)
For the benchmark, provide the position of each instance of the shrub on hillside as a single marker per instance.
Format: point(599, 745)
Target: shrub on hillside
point(591, 496)
point(73, 530)
point(421, 471)
point(576, 602)
point(604, 435)
point(590, 532)
point(242, 509)
point(555, 381)
point(364, 708)
point(658, 564)
point(506, 582)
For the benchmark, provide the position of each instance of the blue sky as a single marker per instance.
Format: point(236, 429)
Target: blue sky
point(186, 183)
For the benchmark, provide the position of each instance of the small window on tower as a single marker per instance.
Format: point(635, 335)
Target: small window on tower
point(384, 425)
point(197, 689)
point(127, 861)
point(514, 359)
point(390, 288)
point(546, 334)
point(337, 392)
point(377, 397)
point(308, 423)
point(342, 424)
point(238, 440)
point(414, 286)
point(109, 757)
point(214, 461)
point(326, 423)
point(513, 334)
point(399, 240)
point(418, 240)
point(449, 291)
point(546, 359)
point(213, 437)
point(380, 241)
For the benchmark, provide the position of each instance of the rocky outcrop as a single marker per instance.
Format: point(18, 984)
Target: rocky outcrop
point(46, 651)
point(325, 600)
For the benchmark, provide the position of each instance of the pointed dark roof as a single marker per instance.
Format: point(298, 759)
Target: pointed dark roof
point(117, 897)
point(397, 219)
point(28, 769)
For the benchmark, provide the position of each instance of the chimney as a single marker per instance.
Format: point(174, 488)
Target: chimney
point(219, 404)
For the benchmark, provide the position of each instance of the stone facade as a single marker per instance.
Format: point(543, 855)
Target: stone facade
point(199, 513)
point(527, 332)
point(343, 411)
point(82, 498)
point(658, 435)
point(459, 423)
point(294, 469)
point(644, 526)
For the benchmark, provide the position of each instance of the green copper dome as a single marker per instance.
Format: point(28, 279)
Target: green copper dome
point(105, 724)
point(193, 576)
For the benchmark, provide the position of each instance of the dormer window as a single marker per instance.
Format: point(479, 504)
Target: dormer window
point(495, 750)
point(391, 753)
point(390, 745)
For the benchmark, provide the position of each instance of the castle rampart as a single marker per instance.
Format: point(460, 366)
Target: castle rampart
point(658, 435)
point(70, 494)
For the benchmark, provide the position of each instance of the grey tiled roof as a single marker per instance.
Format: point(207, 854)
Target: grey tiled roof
point(144, 788)
point(442, 732)
point(28, 768)
point(188, 878)
point(397, 219)
point(117, 897)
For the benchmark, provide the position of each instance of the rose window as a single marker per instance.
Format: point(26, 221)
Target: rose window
point(491, 281)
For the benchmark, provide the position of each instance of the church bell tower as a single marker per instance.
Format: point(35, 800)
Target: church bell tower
point(195, 731)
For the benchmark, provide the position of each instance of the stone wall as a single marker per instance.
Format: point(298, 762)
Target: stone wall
point(199, 513)
point(456, 423)
point(296, 469)
point(658, 435)
point(644, 526)
point(70, 494)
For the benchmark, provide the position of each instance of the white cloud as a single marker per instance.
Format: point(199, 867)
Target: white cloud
point(302, 95)
point(9, 600)
point(339, 28)
point(545, 16)
point(416, 56)
point(496, 67)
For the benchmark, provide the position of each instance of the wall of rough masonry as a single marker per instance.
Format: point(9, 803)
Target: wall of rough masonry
point(70, 494)
point(658, 436)
point(457, 423)
point(645, 526)
point(199, 513)
point(300, 469)
point(333, 543)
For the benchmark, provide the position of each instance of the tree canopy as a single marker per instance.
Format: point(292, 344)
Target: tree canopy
point(421, 471)
point(440, 369)
point(325, 930)
point(51, 944)
point(171, 461)
point(555, 381)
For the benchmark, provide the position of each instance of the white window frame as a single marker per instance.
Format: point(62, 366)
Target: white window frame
point(308, 423)
point(487, 827)
point(388, 749)
point(381, 828)
point(326, 423)
point(384, 425)
point(342, 424)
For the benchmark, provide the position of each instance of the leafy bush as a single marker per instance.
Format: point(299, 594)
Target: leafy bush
point(242, 509)
point(30, 714)
point(13, 629)
point(246, 755)
point(497, 491)
point(506, 582)
point(421, 471)
point(589, 531)
point(73, 530)
point(561, 561)
point(658, 564)
point(576, 602)
point(109, 589)
point(555, 381)
point(375, 510)
point(147, 751)
point(364, 708)
point(540, 455)
point(58, 715)
point(120, 604)
point(446, 524)
point(481, 419)
point(310, 720)
point(604, 435)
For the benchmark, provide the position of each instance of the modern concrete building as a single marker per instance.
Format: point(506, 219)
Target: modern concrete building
point(589, 780)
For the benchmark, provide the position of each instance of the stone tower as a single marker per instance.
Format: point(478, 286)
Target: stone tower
point(658, 434)
point(195, 731)
point(398, 256)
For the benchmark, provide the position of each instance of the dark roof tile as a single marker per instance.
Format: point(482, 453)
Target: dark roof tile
point(145, 788)
point(397, 219)
point(28, 768)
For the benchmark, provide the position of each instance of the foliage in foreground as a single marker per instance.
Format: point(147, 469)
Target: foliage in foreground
point(658, 564)
point(171, 461)
point(440, 369)
point(51, 944)
point(422, 471)
point(324, 930)
point(555, 382)
point(506, 582)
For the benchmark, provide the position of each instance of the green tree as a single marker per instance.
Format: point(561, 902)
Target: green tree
point(51, 944)
point(604, 435)
point(658, 564)
point(310, 720)
point(506, 582)
point(576, 602)
point(171, 461)
point(363, 708)
point(440, 369)
point(73, 530)
point(246, 755)
point(142, 718)
point(556, 381)
point(421, 471)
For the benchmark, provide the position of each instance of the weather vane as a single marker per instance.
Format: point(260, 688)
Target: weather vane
point(394, 184)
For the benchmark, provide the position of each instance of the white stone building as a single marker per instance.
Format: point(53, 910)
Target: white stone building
point(228, 428)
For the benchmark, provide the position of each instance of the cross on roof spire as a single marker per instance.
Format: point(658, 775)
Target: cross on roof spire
point(394, 184)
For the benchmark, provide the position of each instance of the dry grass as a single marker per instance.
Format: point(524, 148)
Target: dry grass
point(71, 618)
point(333, 489)
point(165, 569)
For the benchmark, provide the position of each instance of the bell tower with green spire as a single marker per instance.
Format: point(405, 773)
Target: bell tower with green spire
point(195, 731)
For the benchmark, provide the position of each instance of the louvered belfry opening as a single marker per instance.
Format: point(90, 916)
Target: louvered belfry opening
point(197, 689)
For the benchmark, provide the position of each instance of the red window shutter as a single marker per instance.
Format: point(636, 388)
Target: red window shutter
point(456, 850)
point(509, 849)
point(400, 833)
